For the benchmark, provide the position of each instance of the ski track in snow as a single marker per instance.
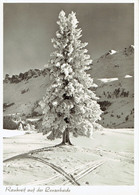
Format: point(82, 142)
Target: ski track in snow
point(114, 146)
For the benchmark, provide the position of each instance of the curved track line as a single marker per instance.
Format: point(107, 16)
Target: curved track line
point(51, 179)
point(49, 148)
point(87, 171)
point(28, 153)
point(56, 168)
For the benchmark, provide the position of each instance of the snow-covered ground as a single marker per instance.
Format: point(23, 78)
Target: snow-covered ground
point(12, 133)
point(114, 147)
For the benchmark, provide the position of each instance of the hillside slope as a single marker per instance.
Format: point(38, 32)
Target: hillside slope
point(117, 102)
point(114, 64)
point(24, 95)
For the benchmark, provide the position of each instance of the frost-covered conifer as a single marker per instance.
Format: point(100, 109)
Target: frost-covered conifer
point(69, 105)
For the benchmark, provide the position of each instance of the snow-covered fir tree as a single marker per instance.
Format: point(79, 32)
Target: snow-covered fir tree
point(69, 105)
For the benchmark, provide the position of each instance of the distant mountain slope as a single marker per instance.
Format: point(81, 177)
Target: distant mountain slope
point(114, 64)
point(24, 95)
point(117, 102)
point(113, 73)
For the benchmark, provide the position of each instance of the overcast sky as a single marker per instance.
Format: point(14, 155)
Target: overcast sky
point(29, 27)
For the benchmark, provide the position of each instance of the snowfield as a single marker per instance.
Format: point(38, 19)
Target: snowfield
point(113, 150)
point(12, 133)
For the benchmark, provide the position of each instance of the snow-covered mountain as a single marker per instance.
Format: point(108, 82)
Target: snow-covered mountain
point(114, 64)
point(21, 95)
point(117, 102)
point(113, 73)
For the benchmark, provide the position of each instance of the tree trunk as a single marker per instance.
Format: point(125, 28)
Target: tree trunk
point(66, 139)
